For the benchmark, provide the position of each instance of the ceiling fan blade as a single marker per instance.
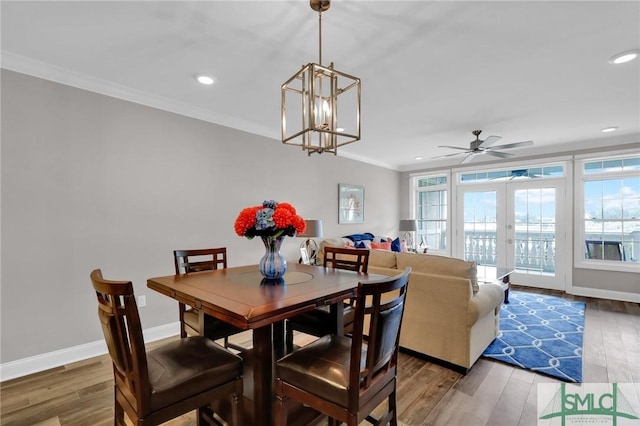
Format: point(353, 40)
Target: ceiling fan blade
point(498, 154)
point(515, 145)
point(448, 155)
point(490, 141)
point(453, 147)
point(467, 158)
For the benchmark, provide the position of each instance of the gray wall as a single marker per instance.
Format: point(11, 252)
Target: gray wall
point(91, 181)
point(625, 282)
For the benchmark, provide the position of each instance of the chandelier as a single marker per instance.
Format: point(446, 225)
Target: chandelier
point(320, 105)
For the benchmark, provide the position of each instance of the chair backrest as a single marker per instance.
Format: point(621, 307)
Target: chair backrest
point(187, 261)
point(383, 300)
point(346, 258)
point(605, 250)
point(118, 314)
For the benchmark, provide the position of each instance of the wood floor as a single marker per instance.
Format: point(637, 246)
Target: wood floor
point(492, 393)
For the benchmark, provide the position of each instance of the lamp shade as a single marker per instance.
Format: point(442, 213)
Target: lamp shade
point(314, 229)
point(408, 225)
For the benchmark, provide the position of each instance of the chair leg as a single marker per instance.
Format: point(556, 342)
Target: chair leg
point(352, 420)
point(288, 338)
point(393, 409)
point(118, 418)
point(206, 417)
point(201, 419)
point(237, 406)
point(181, 308)
point(280, 411)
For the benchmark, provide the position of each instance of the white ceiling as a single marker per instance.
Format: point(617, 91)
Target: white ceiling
point(432, 71)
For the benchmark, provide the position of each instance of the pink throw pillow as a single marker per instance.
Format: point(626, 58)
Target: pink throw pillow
point(381, 246)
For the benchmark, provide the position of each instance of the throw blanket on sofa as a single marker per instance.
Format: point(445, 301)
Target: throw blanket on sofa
point(360, 237)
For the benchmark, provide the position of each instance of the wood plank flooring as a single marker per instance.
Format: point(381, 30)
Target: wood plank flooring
point(492, 393)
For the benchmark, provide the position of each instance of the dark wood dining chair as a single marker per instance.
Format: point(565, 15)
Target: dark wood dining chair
point(191, 319)
point(321, 321)
point(345, 377)
point(154, 386)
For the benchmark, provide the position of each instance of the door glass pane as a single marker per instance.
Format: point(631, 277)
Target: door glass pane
point(535, 230)
point(480, 227)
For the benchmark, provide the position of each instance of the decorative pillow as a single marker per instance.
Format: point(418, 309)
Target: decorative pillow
point(361, 245)
point(381, 246)
point(396, 245)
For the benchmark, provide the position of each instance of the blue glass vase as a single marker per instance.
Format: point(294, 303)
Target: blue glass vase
point(272, 265)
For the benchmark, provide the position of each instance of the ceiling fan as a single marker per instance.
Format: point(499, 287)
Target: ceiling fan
point(484, 147)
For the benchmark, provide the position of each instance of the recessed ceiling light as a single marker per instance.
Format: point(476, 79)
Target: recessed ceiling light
point(339, 129)
point(623, 57)
point(609, 129)
point(417, 157)
point(205, 79)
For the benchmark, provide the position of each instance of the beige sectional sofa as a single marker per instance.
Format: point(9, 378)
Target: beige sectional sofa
point(448, 316)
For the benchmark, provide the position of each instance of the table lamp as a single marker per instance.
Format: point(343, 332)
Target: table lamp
point(408, 226)
point(314, 230)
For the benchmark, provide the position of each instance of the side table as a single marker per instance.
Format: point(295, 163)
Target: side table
point(498, 275)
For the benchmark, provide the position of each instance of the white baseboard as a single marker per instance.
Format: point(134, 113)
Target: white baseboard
point(42, 362)
point(605, 294)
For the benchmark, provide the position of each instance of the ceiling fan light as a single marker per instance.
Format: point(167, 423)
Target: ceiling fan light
point(205, 79)
point(624, 57)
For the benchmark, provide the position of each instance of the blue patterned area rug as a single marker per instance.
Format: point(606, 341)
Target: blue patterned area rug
point(541, 333)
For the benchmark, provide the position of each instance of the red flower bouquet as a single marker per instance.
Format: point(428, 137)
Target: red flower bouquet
point(271, 219)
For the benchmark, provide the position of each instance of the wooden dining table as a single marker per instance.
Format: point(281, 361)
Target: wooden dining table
point(241, 297)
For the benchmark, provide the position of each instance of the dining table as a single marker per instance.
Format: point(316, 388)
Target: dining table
point(242, 297)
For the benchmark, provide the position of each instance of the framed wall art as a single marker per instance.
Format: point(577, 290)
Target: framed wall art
point(350, 203)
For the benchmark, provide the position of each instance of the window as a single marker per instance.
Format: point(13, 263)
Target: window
point(549, 171)
point(431, 211)
point(610, 210)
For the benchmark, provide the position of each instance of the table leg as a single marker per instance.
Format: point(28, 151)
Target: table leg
point(337, 312)
point(506, 280)
point(262, 375)
point(279, 348)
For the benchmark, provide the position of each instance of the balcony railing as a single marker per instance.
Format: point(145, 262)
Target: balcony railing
point(534, 252)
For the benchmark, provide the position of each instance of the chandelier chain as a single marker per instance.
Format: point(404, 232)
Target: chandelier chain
point(320, 37)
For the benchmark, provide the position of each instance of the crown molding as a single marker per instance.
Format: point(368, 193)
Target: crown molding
point(78, 80)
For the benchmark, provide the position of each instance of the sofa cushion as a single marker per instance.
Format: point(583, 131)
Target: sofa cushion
point(382, 259)
point(440, 265)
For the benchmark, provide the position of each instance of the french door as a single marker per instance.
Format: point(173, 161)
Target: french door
point(517, 224)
